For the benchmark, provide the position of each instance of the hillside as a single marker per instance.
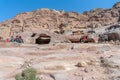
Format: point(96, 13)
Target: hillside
point(51, 20)
point(62, 59)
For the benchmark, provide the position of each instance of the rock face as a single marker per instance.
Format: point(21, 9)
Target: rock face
point(102, 17)
point(59, 21)
point(39, 20)
point(117, 5)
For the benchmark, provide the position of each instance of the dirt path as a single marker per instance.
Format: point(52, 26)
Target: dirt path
point(57, 60)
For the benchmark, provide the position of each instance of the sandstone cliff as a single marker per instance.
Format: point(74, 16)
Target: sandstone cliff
point(51, 20)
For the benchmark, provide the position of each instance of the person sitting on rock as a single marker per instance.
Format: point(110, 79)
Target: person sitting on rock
point(11, 39)
point(18, 39)
point(7, 40)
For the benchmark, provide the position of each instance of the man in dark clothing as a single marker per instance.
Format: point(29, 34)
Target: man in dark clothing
point(18, 39)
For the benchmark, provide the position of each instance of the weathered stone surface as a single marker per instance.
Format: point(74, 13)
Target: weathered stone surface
point(82, 64)
point(117, 5)
point(57, 62)
point(50, 20)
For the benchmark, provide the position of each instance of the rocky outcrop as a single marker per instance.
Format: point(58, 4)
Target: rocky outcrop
point(102, 17)
point(51, 20)
point(117, 5)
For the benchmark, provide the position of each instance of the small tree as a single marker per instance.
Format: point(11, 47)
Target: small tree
point(27, 74)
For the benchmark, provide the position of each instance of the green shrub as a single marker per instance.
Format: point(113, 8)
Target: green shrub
point(27, 74)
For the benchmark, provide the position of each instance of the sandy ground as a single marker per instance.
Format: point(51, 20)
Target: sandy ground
point(58, 61)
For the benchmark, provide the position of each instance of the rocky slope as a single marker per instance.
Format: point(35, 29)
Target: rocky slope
point(51, 20)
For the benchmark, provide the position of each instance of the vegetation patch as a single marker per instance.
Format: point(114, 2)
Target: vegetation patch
point(27, 74)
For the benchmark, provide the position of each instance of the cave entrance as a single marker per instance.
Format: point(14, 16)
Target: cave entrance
point(43, 39)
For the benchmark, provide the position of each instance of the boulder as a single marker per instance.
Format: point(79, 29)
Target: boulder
point(82, 64)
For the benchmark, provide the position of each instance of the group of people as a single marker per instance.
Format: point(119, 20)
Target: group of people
point(17, 39)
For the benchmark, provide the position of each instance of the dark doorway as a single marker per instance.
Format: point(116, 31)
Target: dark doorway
point(43, 39)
